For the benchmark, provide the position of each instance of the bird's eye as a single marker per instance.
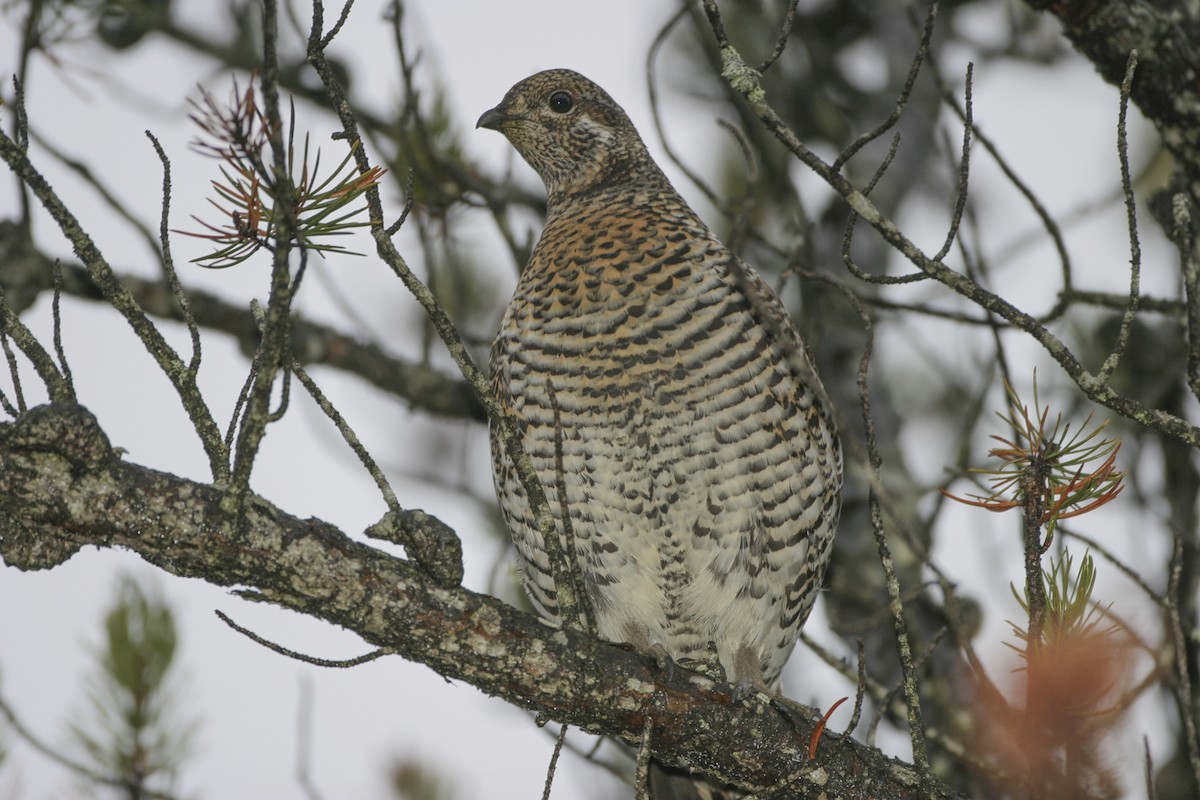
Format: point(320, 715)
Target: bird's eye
point(561, 102)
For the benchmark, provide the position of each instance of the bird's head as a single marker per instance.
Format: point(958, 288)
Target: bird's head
point(569, 130)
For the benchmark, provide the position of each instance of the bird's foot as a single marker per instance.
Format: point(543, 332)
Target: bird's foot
point(748, 677)
point(637, 638)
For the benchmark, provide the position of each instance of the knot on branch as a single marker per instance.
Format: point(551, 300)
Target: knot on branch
point(64, 430)
point(45, 447)
point(431, 543)
point(744, 79)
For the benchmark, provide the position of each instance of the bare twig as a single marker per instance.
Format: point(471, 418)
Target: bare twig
point(1181, 685)
point(891, 581)
point(550, 770)
point(1183, 235)
point(564, 553)
point(914, 69)
point(168, 261)
point(964, 168)
point(1148, 769)
point(785, 33)
point(656, 45)
point(1135, 249)
point(56, 314)
point(284, 651)
point(852, 222)
point(435, 547)
point(1049, 226)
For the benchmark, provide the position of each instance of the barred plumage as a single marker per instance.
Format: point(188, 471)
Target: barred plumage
point(700, 467)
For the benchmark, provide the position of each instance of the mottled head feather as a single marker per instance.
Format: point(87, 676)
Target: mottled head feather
point(570, 131)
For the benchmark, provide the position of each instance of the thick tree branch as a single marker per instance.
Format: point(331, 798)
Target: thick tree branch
point(62, 487)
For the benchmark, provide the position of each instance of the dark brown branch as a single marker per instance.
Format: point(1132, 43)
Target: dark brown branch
point(62, 487)
point(26, 272)
point(1135, 247)
point(345, 663)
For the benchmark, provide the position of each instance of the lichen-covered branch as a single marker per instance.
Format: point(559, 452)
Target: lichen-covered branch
point(63, 487)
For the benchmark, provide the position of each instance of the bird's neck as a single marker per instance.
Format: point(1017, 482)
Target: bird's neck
point(630, 185)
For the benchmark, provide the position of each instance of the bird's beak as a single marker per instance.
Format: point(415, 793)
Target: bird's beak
point(493, 118)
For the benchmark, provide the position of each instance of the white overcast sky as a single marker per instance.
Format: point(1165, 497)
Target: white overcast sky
point(95, 106)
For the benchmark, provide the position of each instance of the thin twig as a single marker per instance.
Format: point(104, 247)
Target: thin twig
point(1158, 305)
point(860, 691)
point(964, 168)
point(1135, 248)
point(641, 781)
point(441, 558)
point(1051, 227)
point(1148, 769)
point(409, 199)
point(914, 69)
point(337, 26)
point(564, 553)
point(168, 261)
point(239, 405)
point(891, 581)
point(1183, 236)
point(656, 45)
point(1181, 686)
point(550, 770)
point(114, 203)
point(56, 314)
point(742, 205)
point(1111, 558)
point(320, 662)
point(785, 33)
point(852, 222)
point(304, 731)
point(5, 403)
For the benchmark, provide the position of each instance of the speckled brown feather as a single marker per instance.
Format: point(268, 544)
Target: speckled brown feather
point(700, 467)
